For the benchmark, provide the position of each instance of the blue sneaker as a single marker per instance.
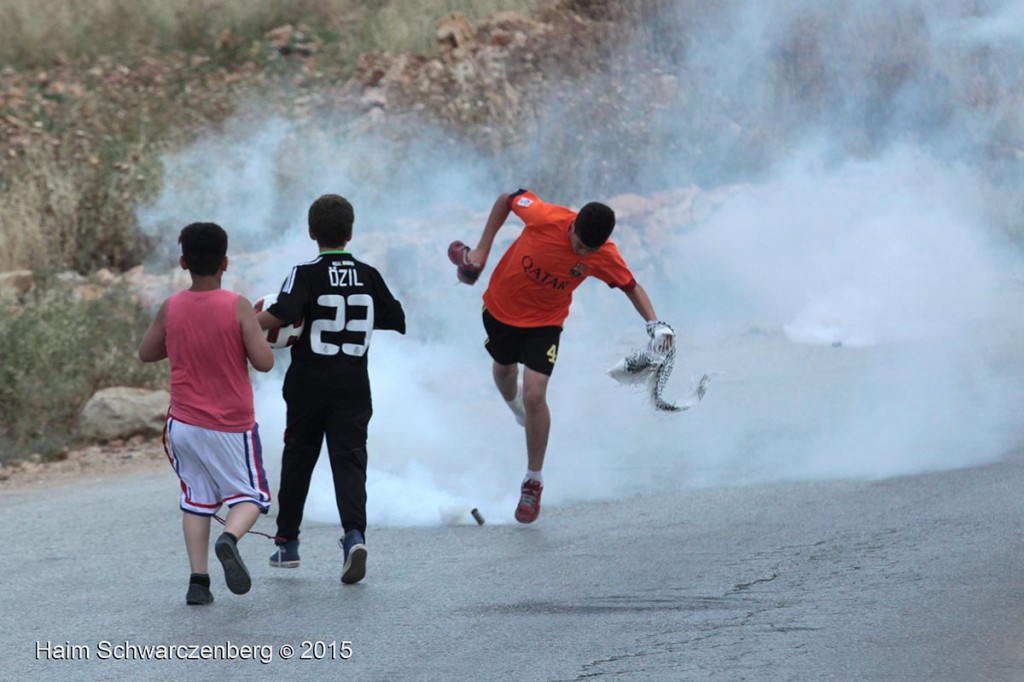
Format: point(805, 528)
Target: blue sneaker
point(286, 556)
point(354, 547)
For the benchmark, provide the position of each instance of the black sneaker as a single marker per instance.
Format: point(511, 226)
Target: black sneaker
point(198, 595)
point(354, 547)
point(236, 575)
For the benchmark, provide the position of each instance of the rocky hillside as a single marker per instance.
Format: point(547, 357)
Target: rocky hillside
point(80, 143)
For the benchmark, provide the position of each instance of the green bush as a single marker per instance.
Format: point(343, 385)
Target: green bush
point(59, 349)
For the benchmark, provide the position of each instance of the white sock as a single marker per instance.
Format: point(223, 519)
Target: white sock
point(534, 476)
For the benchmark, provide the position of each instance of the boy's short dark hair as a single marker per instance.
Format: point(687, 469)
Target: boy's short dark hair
point(594, 224)
point(330, 219)
point(203, 247)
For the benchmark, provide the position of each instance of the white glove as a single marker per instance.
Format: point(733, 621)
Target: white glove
point(662, 336)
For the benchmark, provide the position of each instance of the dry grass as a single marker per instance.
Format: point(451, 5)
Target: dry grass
point(34, 33)
point(60, 215)
point(79, 149)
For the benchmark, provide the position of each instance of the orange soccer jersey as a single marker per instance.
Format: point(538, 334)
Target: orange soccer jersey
point(533, 282)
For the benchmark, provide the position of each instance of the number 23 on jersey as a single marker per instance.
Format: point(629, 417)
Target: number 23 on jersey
point(341, 322)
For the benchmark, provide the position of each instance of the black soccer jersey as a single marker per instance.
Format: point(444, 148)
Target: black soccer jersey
point(341, 301)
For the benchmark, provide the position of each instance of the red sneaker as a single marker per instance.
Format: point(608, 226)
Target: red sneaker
point(529, 501)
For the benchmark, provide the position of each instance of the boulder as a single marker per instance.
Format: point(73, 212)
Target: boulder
point(121, 412)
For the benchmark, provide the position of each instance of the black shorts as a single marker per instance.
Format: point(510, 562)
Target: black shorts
point(535, 347)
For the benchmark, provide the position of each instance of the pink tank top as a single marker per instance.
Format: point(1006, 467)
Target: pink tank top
point(210, 384)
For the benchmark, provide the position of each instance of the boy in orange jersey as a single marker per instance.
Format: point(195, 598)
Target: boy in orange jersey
point(210, 335)
point(527, 300)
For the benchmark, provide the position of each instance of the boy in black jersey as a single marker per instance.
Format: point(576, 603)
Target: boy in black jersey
point(326, 387)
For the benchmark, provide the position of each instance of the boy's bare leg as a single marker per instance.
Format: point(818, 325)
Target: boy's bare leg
point(538, 417)
point(506, 378)
point(241, 518)
point(197, 541)
point(196, 528)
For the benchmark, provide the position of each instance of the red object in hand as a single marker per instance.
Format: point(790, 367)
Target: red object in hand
point(467, 272)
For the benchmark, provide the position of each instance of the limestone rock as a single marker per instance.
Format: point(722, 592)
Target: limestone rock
point(121, 412)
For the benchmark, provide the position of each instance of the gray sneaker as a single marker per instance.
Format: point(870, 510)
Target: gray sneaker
point(198, 595)
point(236, 575)
point(354, 547)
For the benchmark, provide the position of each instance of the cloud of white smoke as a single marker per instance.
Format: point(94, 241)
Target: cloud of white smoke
point(850, 291)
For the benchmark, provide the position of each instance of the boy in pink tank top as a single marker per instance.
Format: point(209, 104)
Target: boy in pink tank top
point(210, 335)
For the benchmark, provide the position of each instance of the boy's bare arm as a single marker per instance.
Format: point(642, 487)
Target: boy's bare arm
point(496, 218)
point(261, 357)
point(154, 344)
point(267, 321)
point(642, 302)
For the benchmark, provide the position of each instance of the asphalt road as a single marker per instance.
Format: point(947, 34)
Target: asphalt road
point(915, 578)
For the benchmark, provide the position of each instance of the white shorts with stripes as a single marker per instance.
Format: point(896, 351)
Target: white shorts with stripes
point(216, 467)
